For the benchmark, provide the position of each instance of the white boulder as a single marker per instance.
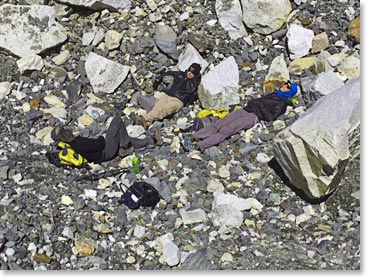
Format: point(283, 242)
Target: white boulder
point(104, 75)
point(315, 150)
point(219, 87)
point(26, 30)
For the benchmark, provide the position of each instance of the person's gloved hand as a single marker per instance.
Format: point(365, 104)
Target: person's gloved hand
point(156, 83)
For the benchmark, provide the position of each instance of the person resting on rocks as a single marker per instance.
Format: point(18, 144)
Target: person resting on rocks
point(101, 149)
point(267, 108)
point(182, 92)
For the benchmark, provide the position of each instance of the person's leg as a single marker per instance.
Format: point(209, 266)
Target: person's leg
point(165, 106)
point(126, 141)
point(146, 101)
point(211, 128)
point(112, 139)
point(239, 120)
point(216, 124)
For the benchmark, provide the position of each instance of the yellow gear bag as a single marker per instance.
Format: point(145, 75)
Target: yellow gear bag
point(221, 112)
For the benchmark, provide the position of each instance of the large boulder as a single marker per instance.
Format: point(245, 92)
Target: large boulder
point(99, 5)
point(219, 87)
point(26, 30)
point(230, 17)
point(315, 150)
point(266, 16)
point(104, 75)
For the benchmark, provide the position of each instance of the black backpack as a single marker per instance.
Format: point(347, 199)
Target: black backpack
point(63, 155)
point(140, 194)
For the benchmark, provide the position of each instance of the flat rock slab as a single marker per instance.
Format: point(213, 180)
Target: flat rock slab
point(99, 5)
point(26, 30)
point(104, 75)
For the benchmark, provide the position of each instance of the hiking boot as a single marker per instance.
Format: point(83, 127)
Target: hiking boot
point(144, 123)
point(188, 144)
point(138, 120)
point(134, 119)
point(157, 137)
point(61, 134)
point(123, 152)
point(198, 124)
point(146, 102)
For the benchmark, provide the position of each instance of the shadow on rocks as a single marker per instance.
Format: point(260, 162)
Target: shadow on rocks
point(280, 172)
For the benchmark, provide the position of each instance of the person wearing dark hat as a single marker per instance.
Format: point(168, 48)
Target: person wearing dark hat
point(182, 92)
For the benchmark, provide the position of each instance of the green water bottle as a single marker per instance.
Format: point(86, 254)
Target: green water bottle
point(136, 165)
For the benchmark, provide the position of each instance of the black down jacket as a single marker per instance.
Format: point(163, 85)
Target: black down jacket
point(268, 107)
point(182, 87)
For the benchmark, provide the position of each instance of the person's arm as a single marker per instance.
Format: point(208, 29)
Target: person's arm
point(159, 78)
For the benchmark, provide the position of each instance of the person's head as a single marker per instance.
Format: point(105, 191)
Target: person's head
point(286, 86)
point(193, 70)
point(287, 90)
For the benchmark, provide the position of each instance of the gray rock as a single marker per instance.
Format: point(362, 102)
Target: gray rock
point(5, 89)
point(4, 172)
point(229, 14)
point(350, 67)
point(165, 191)
point(267, 17)
point(78, 203)
point(278, 69)
point(166, 40)
point(279, 34)
point(321, 64)
point(30, 62)
point(192, 216)
point(171, 253)
point(73, 90)
point(198, 261)
point(68, 232)
point(316, 87)
point(33, 115)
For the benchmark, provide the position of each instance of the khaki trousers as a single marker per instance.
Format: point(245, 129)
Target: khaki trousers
point(163, 107)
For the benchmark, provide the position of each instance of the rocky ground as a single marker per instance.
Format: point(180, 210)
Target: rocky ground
point(55, 218)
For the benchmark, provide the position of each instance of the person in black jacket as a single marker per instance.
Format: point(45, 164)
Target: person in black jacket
point(182, 92)
point(101, 149)
point(267, 108)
